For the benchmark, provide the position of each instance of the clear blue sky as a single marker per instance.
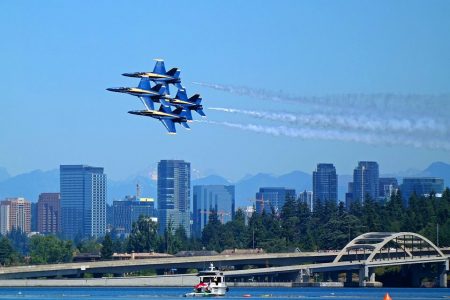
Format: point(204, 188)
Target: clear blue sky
point(58, 57)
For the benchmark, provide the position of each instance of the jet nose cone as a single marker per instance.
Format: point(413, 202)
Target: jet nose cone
point(129, 74)
point(110, 89)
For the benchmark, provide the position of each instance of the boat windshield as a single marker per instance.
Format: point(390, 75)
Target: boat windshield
point(214, 279)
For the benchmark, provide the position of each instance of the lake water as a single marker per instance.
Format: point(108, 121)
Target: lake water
point(234, 293)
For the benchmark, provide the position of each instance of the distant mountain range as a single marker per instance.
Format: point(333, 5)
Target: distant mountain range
point(30, 185)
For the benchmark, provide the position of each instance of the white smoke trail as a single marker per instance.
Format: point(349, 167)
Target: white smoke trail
point(336, 135)
point(425, 126)
point(382, 103)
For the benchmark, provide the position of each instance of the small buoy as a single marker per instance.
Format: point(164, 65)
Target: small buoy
point(387, 297)
point(247, 295)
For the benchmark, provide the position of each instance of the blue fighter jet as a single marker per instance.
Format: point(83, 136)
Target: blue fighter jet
point(181, 100)
point(167, 117)
point(144, 91)
point(160, 76)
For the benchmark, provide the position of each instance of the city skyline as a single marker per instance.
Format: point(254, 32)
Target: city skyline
point(344, 87)
point(82, 211)
point(246, 187)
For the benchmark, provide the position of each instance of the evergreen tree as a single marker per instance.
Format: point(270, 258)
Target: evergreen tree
point(8, 256)
point(290, 221)
point(19, 240)
point(212, 233)
point(107, 247)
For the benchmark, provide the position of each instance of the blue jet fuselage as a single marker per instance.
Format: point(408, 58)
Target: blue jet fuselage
point(154, 76)
point(135, 91)
point(158, 115)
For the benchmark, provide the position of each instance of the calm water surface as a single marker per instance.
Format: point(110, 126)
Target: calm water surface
point(234, 293)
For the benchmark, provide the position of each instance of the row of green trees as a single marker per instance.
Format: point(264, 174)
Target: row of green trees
point(329, 227)
point(37, 250)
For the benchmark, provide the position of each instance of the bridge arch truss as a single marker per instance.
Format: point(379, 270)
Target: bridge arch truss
point(376, 246)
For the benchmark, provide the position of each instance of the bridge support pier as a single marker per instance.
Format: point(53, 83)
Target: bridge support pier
point(303, 276)
point(443, 269)
point(372, 276)
point(349, 278)
point(363, 275)
point(366, 275)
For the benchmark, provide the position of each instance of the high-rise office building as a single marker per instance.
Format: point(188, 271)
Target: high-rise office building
point(34, 217)
point(174, 181)
point(349, 195)
point(365, 181)
point(422, 186)
point(307, 198)
point(83, 201)
point(209, 198)
point(325, 184)
point(49, 213)
point(387, 186)
point(127, 211)
point(15, 213)
point(269, 198)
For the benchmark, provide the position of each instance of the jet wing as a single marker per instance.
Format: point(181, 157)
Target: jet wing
point(148, 103)
point(144, 84)
point(170, 125)
point(160, 68)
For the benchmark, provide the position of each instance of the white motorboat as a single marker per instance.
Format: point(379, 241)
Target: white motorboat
point(212, 283)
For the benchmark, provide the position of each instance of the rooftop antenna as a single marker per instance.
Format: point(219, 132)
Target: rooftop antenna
point(138, 191)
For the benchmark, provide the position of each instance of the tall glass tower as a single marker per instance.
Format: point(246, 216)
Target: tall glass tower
point(174, 190)
point(209, 198)
point(83, 201)
point(269, 198)
point(422, 186)
point(325, 184)
point(366, 181)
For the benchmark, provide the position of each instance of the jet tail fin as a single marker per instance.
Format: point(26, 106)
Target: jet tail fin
point(159, 67)
point(181, 94)
point(196, 99)
point(183, 112)
point(159, 88)
point(174, 72)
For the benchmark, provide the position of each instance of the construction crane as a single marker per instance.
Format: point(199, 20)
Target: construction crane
point(262, 203)
point(220, 213)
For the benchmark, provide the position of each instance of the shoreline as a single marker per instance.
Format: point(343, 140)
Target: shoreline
point(183, 281)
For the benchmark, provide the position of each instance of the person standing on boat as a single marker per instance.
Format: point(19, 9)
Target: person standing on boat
point(199, 287)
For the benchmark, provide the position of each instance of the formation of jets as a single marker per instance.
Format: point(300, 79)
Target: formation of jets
point(182, 104)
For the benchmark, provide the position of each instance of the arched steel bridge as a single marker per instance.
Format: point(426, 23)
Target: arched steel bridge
point(373, 247)
point(363, 254)
point(372, 250)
